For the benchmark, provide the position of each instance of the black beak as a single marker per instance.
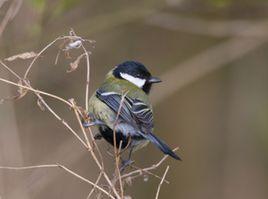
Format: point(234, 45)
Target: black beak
point(154, 80)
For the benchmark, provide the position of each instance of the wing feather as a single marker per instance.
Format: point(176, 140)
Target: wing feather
point(133, 111)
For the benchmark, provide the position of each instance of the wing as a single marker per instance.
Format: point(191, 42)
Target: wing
point(143, 115)
point(133, 111)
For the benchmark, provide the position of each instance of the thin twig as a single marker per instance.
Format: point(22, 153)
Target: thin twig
point(88, 77)
point(147, 172)
point(80, 124)
point(154, 166)
point(11, 71)
point(37, 91)
point(116, 153)
point(29, 167)
point(44, 49)
point(95, 145)
point(10, 14)
point(161, 182)
point(62, 121)
point(96, 183)
point(62, 167)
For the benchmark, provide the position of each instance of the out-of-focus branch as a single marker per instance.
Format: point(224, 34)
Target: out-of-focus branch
point(232, 28)
point(207, 61)
point(10, 14)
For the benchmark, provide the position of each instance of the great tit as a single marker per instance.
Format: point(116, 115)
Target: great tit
point(125, 90)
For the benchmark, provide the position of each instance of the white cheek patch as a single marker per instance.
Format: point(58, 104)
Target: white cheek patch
point(135, 80)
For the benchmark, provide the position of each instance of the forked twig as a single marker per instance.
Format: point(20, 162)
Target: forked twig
point(96, 183)
point(154, 166)
point(161, 182)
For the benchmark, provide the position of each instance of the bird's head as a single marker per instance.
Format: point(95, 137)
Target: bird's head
point(136, 73)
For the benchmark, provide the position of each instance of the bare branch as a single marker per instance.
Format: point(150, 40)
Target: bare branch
point(10, 14)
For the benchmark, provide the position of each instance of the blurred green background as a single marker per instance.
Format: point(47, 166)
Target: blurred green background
point(212, 56)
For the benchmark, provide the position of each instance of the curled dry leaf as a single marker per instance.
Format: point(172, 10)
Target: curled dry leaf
point(21, 93)
point(127, 197)
point(40, 105)
point(27, 55)
point(74, 65)
point(73, 44)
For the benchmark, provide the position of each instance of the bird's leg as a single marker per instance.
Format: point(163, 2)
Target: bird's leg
point(126, 163)
point(93, 121)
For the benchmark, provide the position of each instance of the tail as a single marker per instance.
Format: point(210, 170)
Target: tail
point(162, 146)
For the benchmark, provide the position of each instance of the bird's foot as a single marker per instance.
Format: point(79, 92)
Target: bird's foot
point(125, 164)
point(98, 136)
point(94, 123)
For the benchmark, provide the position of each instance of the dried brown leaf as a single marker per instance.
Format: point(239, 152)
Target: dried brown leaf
point(21, 91)
point(74, 65)
point(26, 55)
point(73, 44)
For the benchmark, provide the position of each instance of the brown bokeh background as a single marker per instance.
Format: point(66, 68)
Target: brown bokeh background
point(212, 56)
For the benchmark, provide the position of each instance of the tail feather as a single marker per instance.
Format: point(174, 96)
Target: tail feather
point(162, 146)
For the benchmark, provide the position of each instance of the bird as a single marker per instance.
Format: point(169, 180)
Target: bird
point(121, 105)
